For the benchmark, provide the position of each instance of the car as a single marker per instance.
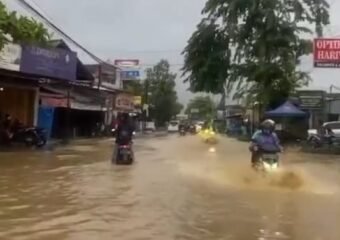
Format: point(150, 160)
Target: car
point(173, 126)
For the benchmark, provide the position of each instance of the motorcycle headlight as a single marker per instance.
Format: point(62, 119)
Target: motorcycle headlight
point(268, 166)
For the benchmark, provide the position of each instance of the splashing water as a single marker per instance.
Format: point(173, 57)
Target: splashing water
point(243, 177)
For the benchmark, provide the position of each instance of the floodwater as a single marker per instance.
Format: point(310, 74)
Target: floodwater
point(177, 189)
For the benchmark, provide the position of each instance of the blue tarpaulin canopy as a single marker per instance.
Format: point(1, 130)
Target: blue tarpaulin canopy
point(286, 110)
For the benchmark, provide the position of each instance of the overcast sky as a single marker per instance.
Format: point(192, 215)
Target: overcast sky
point(148, 30)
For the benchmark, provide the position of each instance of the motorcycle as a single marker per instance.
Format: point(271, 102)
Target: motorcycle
point(113, 132)
point(124, 155)
point(32, 136)
point(192, 129)
point(182, 132)
point(318, 141)
point(268, 161)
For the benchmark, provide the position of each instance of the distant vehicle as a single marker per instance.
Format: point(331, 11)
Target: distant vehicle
point(192, 129)
point(173, 126)
point(199, 126)
point(150, 126)
point(182, 132)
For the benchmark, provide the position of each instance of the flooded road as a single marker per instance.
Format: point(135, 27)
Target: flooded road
point(176, 190)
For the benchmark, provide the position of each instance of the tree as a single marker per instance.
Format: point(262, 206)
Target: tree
point(161, 95)
point(20, 29)
point(201, 107)
point(266, 38)
point(207, 59)
point(136, 88)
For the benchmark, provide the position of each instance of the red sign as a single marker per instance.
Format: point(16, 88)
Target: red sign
point(327, 53)
point(127, 62)
point(54, 102)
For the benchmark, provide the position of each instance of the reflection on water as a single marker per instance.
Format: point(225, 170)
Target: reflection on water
point(178, 189)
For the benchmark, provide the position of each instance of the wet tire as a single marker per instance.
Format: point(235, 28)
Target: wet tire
point(41, 143)
point(124, 160)
point(29, 140)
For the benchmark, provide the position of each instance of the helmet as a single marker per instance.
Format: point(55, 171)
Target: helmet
point(125, 117)
point(268, 124)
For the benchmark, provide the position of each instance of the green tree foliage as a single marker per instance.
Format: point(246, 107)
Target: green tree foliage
point(207, 58)
point(136, 88)
point(20, 29)
point(201, 107)
point(162, 97)
point(266, 38)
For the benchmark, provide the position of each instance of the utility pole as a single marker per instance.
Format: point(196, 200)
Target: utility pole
point(67, 133)
point(224, 111)
point(145, 103)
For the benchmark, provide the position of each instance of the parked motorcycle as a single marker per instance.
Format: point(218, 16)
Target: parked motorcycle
point(32, 136)
point(124, 155)
point(318, 141)
point(182, 132)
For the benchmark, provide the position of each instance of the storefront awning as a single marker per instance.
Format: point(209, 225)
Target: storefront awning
point(86, 106)
point(58, 98)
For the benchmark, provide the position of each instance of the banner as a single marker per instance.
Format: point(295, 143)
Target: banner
point(127, 62)
point(54, 63)
point(327, 53)
point(137, 100)
point(129, 69)
point(124, 102)
point(10, 57)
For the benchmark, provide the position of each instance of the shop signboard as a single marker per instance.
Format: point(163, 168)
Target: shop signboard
point(137, 100)
point(53, 63)
point(124, 102)
point(127, 74)
point(127, 62)
point(129, 69)
point(10, 57)
point(327, 53)
point(54, 102)
point(311, 99)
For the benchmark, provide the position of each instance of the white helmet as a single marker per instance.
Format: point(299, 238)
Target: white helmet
point(268, 124)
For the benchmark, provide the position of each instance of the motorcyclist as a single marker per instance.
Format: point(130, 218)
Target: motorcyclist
point(181, 127)
point(124, 132)
point(264, 140)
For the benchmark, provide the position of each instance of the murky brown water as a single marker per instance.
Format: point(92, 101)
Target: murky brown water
point(176, 190)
